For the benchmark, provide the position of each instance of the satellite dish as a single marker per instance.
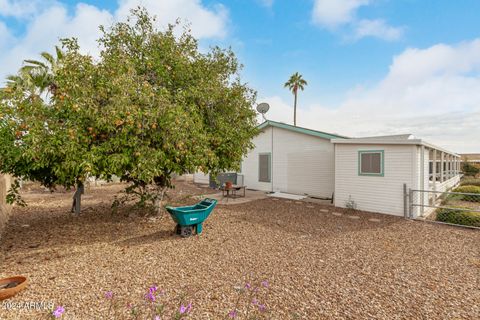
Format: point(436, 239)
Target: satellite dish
point(263, 109)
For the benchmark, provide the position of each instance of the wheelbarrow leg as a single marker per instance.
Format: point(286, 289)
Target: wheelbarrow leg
point(199, 228)
point(177, 229)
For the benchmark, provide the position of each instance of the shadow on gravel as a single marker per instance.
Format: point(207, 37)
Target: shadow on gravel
point(162, 235)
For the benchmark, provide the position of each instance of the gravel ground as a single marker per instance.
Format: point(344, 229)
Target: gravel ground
point(319, 265)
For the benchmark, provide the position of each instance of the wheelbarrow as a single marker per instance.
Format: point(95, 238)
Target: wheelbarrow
point(190, 219)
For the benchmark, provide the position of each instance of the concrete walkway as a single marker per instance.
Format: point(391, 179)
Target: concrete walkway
point(250, 195)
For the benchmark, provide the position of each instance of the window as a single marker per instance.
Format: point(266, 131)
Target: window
point(264, 167)
point(370, 163)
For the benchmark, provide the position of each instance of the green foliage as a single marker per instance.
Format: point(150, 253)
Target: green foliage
point(13, 195)
point(467, 189)
point(461, 217)
point(470, 182)
point(152, 106)
point(296, 82)
point(471, 196)
point(469, 169)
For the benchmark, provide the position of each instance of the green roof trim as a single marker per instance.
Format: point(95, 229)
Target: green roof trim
point(310, 132)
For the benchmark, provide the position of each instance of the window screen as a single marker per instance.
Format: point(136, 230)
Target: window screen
point(371, 163)
point(264, 168)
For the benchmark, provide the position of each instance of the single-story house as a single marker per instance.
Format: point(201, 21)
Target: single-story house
point(288, 159)
point(371, 172)
point(291, 159)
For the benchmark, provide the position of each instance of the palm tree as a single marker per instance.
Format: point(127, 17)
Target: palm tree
point(295, 82)
point(43, 72)
point(37, 77)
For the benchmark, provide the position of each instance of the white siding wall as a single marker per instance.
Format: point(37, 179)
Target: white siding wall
point(301, 164)
point(374, 193)
point(201, 178)
point(250, 169)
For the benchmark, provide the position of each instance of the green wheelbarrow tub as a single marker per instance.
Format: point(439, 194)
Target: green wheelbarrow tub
point(192, 215)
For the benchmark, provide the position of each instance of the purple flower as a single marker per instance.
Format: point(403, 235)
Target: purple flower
point(248, 285)
point(58, 312)
point(182, 309)
point(150, 296)
point(262, 307)
point(255, 301)
point(157, 317)
point(265, 284)
point(109, 294)
point(185, 309)
point(153, 289)
point(232, 314)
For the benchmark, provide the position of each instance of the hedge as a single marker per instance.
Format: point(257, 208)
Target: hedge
point(470, 182)
point(468, 189)
point(469, 169)
point(456, 216)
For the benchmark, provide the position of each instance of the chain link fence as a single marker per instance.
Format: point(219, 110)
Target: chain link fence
point(461, 207)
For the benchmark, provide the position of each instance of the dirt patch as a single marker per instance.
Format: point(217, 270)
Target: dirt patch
point(319, 266)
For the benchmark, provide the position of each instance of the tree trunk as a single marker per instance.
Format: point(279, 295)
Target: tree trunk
point(77, 198)
point(158, 202)
point(295, 109)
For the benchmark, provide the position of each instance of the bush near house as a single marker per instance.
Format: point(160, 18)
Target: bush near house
point(472, 196)
point(470, 182)
point(474, 190)
point(470, 169)
point(468, 189)
point(457, 216)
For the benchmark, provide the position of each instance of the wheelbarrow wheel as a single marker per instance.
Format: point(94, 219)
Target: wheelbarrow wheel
point(186, 231)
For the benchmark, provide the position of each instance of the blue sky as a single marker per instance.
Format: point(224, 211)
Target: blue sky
point(373, 66)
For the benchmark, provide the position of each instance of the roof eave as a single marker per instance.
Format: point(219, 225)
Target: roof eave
point(314, 133)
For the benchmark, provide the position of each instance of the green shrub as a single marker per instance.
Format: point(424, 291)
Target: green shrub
point(467, 189)
point(473, 197)
point(456, 216)
point(469, 169)
point(470, 182)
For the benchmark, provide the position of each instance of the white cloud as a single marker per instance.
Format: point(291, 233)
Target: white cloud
point(205, 22)
point(377, 28)
point(20, 8)
point(45, 27)
point(267, 3)
point(433, 93)
point(6, 37)
point(333, 14)
point(45, 30)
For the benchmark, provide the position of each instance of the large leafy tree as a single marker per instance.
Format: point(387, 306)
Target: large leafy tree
point(295, 83)
point(150, 107)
